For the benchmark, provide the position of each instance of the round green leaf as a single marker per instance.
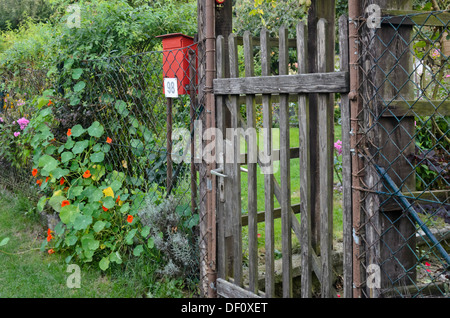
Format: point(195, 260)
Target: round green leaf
point(71, 240)
point(79, 86)
point(97, 157)
point(48, 163)
point(76, 73)
point(96, 130)
point(130, 236)
point(96, 195)
point(66, 156)
point(82, 222)
point(115, 257)
point(104, 263)
point(145, 231)
point(80, 146)
point(77, 130)
point(68, 214)
point(55, 202)
point(41, 204)
point(69, 143)
point(98, 226)
point(121, 108)
point(4, 241)
point(138, 250)
point(109, 202)
point(58, 173)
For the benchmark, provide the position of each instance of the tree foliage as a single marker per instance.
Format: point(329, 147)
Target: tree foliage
point(14, 12)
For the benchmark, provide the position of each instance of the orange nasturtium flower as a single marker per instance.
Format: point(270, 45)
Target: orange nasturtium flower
point(108, 140)
point(51, 251)
point(118, 199)
point(104, 209)
point(69, 132)
point(61, 182)
point(49, 237)
point(34, 172)
point(64, 203)
point(46, 179)
point(39, 182)
point(86, 174)
point(130, 218)
point(49, 232)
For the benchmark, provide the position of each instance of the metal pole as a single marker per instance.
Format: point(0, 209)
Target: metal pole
point(169, 144)
point(210, 73)
point(355, 109)
point(396, 191)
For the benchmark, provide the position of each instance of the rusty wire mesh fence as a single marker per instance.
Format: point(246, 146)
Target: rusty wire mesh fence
point(404, 123)
point(149, 144)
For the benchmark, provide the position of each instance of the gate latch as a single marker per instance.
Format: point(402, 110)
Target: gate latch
point(218, 172)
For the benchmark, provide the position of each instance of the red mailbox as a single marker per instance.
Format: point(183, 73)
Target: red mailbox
point(176, 47)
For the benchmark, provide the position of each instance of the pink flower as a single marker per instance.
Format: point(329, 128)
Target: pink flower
point(23, 123)
point(338, 147)
point(447, 76)
point(16, 134)
point(1, 120)
point(436, 53)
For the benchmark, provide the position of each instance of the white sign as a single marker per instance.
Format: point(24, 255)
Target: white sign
point(171, 87)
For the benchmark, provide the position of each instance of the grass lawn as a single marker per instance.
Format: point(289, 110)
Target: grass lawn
point(295, 189)
point(26, 272)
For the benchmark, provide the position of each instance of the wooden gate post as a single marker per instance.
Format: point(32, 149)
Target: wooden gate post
point(207, 213)
point(390, 239)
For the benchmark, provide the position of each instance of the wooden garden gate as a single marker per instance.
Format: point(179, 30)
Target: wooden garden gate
point(238, 277)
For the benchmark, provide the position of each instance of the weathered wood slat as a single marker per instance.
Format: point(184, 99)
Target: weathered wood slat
point(268, 178)
point(417, 108)
point(325, 168)
point(285, 175)
point(433, 195)
point(252, 170)
point(220, 107)
point(414, 18)
point(275, 99)
point(294, 153)
point(315, 260)
point(305, 172)
point(226, 252)
point(273, 42)
point(261, 215)
point(336, 82)
point(235, 171)
point(346, 164)
point(230, 290)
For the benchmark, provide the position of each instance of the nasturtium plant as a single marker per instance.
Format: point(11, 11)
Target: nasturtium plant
point(97, 209)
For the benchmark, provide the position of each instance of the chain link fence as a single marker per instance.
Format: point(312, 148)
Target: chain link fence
point(404, 144)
